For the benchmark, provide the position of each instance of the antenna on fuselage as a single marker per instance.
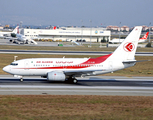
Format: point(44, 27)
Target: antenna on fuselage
point(15, 58)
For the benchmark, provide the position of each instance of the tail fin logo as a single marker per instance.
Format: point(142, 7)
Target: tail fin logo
point(129, 47)
point(146, 35)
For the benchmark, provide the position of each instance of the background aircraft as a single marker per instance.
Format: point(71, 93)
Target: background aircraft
point(144, 38)
point(141, 40)
point(19, 38)
point(67, 69)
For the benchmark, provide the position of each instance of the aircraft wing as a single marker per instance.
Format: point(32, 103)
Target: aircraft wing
point(79, 72)
point(8, 38)
point(12, 38)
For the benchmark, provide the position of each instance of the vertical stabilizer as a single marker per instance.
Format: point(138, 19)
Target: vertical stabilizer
point(127, 49)
point(15, 30)
point(145, 36)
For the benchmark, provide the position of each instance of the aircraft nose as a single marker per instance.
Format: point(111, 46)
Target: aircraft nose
point(6, 69)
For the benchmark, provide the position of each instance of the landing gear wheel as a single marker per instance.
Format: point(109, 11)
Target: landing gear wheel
point(75, 81)
point(72, 80)
point(21, 79)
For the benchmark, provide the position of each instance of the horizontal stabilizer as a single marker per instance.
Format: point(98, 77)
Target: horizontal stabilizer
point(134, 61)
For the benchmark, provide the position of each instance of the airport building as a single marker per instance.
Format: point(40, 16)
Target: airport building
point(68, 34)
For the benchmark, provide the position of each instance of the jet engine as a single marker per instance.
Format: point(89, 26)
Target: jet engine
point(13, 35)
point(56, 76)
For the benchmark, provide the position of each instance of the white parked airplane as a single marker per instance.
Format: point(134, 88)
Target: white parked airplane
point(21, 38)
point(8, 34)
point(141, 40)
point(67, 69)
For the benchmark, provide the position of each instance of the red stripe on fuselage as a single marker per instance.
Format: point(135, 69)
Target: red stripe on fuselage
point(98, 60)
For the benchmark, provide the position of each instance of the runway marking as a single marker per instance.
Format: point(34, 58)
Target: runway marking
point(83, 87)
point(76, 91)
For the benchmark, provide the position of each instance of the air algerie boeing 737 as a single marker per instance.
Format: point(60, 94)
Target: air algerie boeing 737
point(67, 69)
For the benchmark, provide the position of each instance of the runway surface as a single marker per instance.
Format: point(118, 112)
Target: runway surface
point(66, 52)
point(93, 85)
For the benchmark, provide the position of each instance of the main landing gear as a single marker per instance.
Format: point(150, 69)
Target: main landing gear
point(72, 80)
point(21, 79)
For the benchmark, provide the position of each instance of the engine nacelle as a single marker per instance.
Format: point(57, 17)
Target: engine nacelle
point(56, 76)
point(13, 35)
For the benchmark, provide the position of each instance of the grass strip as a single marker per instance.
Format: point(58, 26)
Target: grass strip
point(68, 107)
point(76, 48)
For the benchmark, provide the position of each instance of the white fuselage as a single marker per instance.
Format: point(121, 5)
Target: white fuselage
point(121, 40)
point(41, 66)
point(5, 34)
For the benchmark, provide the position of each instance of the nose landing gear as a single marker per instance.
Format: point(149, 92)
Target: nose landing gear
point(21, 79)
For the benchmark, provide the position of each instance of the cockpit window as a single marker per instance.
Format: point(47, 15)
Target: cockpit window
point(14, 64)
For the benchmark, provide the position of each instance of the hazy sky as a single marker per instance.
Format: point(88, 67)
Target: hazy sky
point(71, 12)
